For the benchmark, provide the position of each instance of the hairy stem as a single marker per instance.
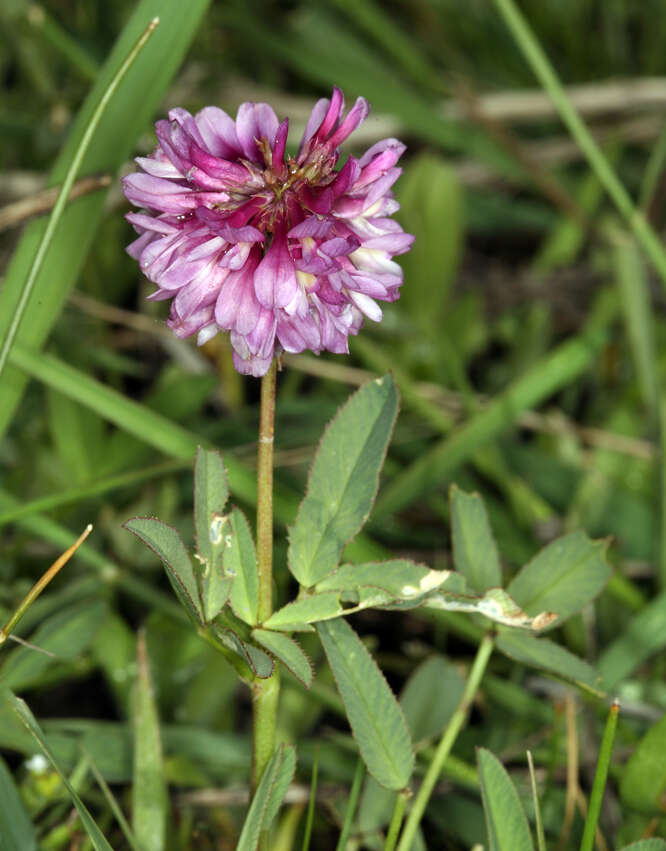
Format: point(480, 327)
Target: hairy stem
point(265, 693)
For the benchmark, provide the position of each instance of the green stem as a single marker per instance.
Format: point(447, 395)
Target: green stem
point(265, 494)
point(545, 73)
point(265, 693)
point(446, 743)
point(396, 819)
point(596, 797)
point(354, 794)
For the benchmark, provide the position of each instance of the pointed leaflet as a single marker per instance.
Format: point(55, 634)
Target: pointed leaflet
point(400, 578)
point(167, 545)
point(376, 720)
point(506, 821)
point(240, 563)
point(267, 799)
point(149, 791)
point(20, 708)
point(260, 663)
point(545, 654)
point(428, 701)
point(352, 588)
point(211, 493)
point(474, 549)
point(288, 652)
point(310, 608)
point(343, 481)
point(563, 577)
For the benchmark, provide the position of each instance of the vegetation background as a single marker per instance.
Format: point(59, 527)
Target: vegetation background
point(528, 346)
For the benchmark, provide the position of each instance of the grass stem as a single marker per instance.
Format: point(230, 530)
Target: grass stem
point(447, 741)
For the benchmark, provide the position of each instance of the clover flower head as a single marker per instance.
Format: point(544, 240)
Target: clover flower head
point(285, 253)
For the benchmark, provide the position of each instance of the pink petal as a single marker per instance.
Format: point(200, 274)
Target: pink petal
point(275, 279)
point(255, 121)
point(218, 131)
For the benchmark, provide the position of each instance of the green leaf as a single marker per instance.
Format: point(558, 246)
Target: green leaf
point(16, 830)
point(167, 545)
point(214, 582)
point(401, 579)
point(474, 550)
point(211, 493)
point(267, 799)
point(260, 663)
point(545, 654)
point(343, 481)
point(127, 115)
point(240, 562)
point(495, 604)
point(563, 577)
point(288, 652)
point(352, 588)
point(66, 634)
point(430, 697)
point(428, 701)
point(646, 845)
point(26, 717)
point(375, 717)
point(506, 822)
point(306, 609)
point(644, 636)
point(644, 777)
point(149, 791)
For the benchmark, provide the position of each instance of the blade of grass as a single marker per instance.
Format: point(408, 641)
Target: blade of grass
point(545, 73)
point(552, 373)
point(541, 839)
point(65, 189)
point(124, 118)
point(352, 803)
point(312, 802)
point(60, 537)
point(600, 777)
point(113, 804)
point(61, 40)
point(130, 416)
point(637, 309)
point(653, 171)
point(380, 26)
point(164, 435)
point(20, 708)
point(80, 494)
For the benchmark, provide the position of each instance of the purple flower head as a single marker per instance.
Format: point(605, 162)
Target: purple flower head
point(285, 253)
